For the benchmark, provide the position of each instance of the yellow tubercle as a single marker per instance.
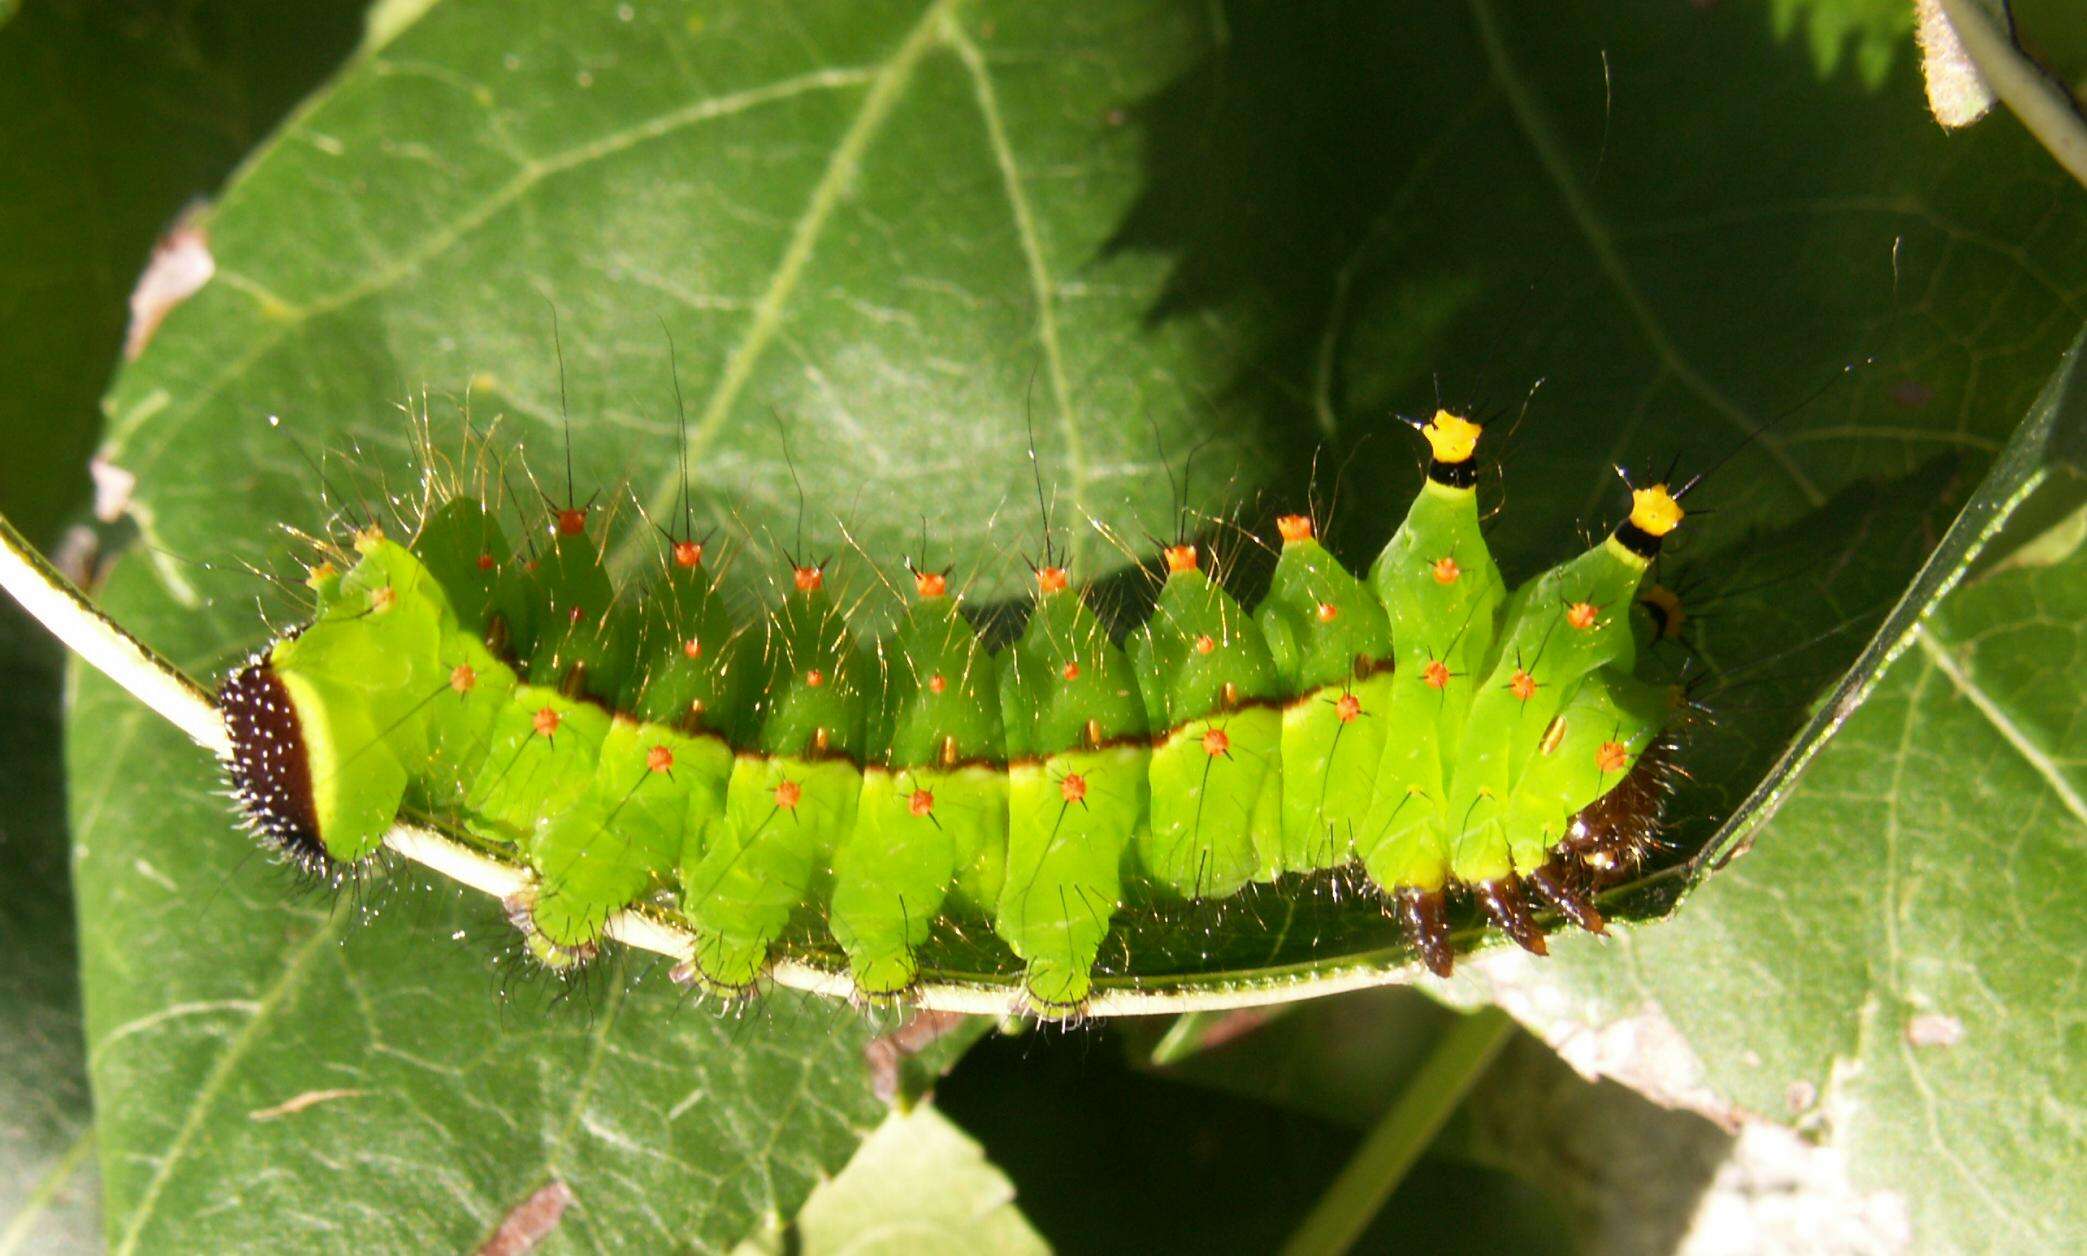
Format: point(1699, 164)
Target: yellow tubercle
point(1452, 437)
point(1654, 511)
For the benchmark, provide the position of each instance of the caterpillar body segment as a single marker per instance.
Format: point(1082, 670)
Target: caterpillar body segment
point(792, 797)
point(1216, 778)
point(930, 832)
point(1078, 750)
point(1330, 641)
point(775, 783)
point(1443, 594)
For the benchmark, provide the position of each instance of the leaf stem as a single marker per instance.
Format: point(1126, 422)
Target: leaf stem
point(54, 601)
point(1405, 1131)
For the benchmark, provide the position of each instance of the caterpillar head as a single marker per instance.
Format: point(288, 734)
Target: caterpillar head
point(270, 768)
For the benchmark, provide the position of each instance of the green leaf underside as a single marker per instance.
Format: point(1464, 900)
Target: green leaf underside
point(903, 228)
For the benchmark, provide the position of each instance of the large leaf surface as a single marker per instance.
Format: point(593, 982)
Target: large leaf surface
point(905, 230)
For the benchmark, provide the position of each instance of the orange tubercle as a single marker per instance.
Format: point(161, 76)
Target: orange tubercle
point(1053, 579)
point(659, 759)
point(545, 721)
point(1072, 671)
point(688, 553)
point(1446, 570)
point(1205, 644)
point(1522, 685)
point(1073, 788)
point(1582, 615)
point(808, 579)
point(1328, 612)
point(1294, 527)
point(1215, 742)
point(463, 678)
point(1180, 558)
point(936, 684)
point(930, 584)
point(572, 521)
point(921, 804)
point(692, 648)
point(1611, 757)
point(815, 678)
point(788, 794)
point(485, 562)
point(1348, 708)
point(1436, 674)
point(382, 600)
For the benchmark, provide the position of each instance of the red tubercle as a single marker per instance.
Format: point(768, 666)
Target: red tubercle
point(545, 721)
point(808, 579)
point(1436, 674)
point(659, 759)
point(1215, 742)
point(486, 563)
point(1582, 615)
point(692, 648)
point(788, 794)
point(1328, 612)
point(1072, 671)
point(1347, 708)
point(814, 678)
point(929, 585)
point(463, 678)
point(1053, 579)
point(1611, 757)
point(1522, 685)
point(921, 804)
point(1205, 644)
point(936, 684)
point(1073, 788)
point(1180, 558)
point(572, 521)
point(688, 554)
point(1445, 570)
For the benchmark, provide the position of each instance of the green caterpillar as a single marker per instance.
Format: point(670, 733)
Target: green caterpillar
point(784, 781)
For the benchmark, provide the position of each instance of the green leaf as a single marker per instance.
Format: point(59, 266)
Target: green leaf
point(917, 1184)
point(47, 1193)
point(1880, 33)
point(1895, 965)
point(902, 230)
